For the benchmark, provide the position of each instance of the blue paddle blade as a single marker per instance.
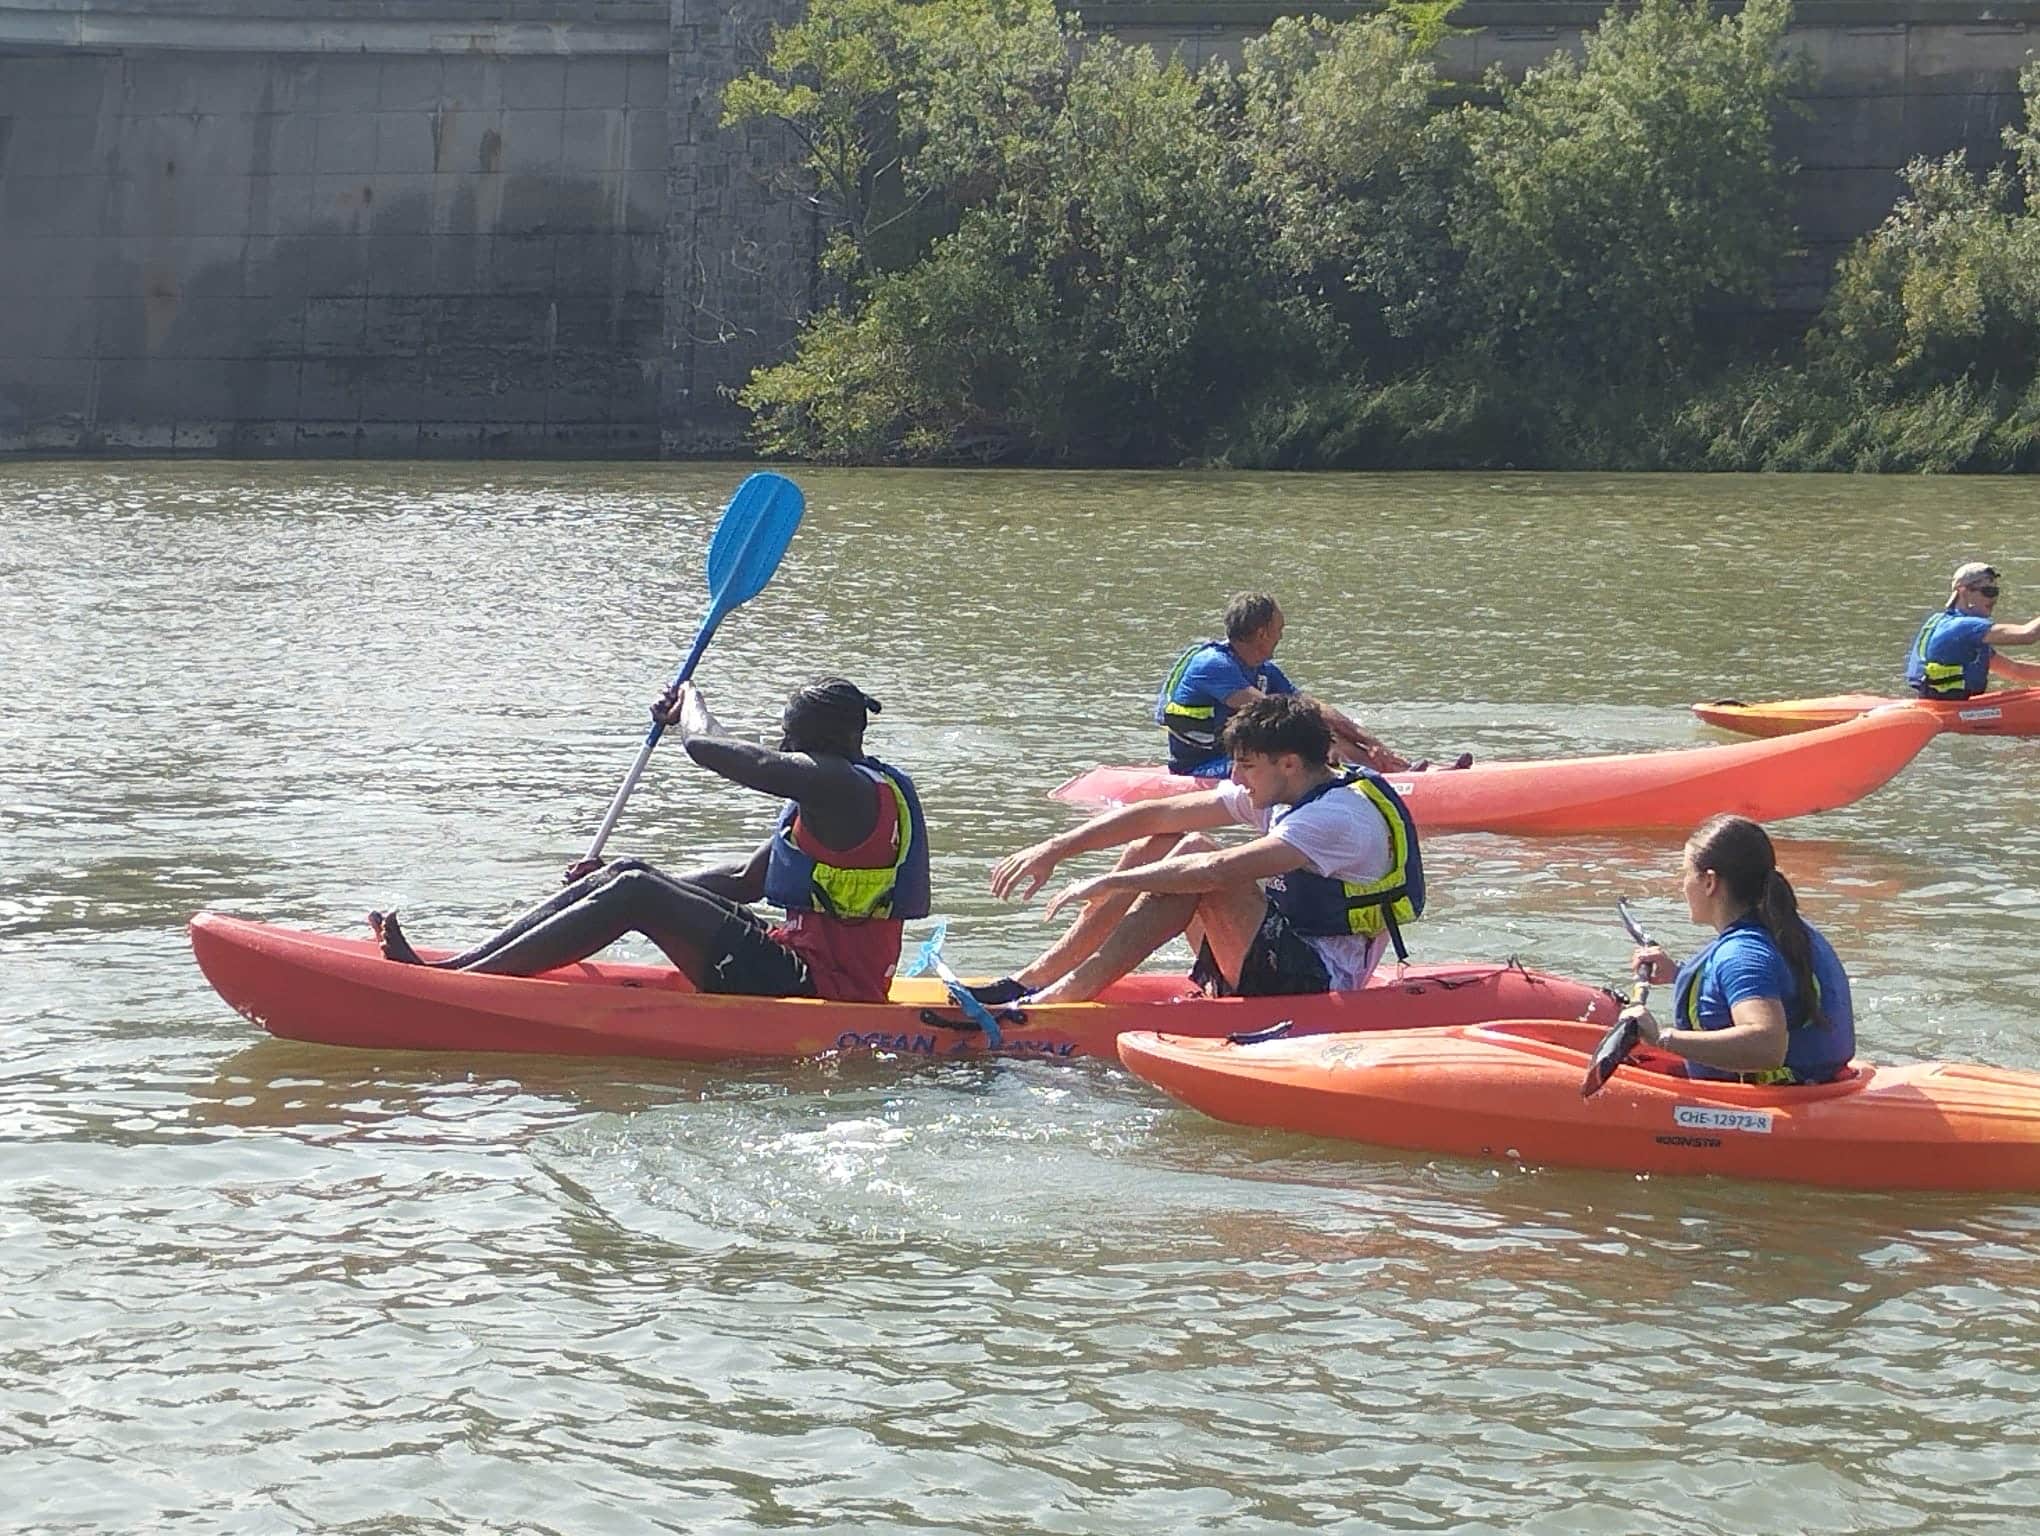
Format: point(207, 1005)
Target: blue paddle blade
point(975, 1011)
point(755, 529)
point(929, 952)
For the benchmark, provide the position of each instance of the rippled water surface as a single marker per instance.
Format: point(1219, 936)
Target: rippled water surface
point(253, 1286)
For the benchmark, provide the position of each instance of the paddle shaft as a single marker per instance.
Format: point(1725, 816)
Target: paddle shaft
point(609, 817)
point(1613, 1050)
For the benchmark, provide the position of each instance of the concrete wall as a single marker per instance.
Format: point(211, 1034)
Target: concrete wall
point(517, 227)
point(437, 252)
point(743, 242)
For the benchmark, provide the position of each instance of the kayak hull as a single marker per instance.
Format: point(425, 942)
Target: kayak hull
point(2004, 712)
point(340, 991)
point(1510, 1092)
point(1766, 780)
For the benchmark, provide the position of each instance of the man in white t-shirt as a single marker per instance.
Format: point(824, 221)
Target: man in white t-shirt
point(1337, 851)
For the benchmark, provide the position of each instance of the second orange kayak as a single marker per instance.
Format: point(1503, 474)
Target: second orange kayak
point(2004, 712)
point(1765, 780)
point(1510, 1092)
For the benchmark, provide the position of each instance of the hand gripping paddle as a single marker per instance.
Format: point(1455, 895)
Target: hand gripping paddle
point(755, 529)
point(1622, 1036)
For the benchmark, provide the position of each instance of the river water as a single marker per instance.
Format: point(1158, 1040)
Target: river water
point(256, 1287)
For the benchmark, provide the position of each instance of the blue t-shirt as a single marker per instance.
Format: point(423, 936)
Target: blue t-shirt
point(1948, 640)
point(1209, 675)
point(1744, 963)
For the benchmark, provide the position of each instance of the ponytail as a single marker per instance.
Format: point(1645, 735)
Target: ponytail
point(1778, 910)
point(1740, 852)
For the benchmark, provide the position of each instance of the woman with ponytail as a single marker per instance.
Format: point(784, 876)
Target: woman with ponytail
point(1766, 1001)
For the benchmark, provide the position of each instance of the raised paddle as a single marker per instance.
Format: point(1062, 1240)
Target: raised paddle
point(1623, 1034)
point(755, 529)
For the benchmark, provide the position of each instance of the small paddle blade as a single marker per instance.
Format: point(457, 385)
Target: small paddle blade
point(1613, 1050)
point(755, 529)
point(968, 1005)
point(929, 952)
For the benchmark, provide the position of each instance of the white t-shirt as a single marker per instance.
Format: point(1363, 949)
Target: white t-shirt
point(1342, 837)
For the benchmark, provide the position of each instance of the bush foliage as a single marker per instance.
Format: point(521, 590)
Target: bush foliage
point(1052, 247)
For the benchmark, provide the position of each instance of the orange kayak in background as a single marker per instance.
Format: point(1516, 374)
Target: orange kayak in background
point(1765, 780)
point(339, 991)
point(1510, 1092)
point(2004, 712)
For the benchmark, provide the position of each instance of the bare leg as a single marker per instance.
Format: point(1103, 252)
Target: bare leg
point(1100, 918)
point(1226, 919)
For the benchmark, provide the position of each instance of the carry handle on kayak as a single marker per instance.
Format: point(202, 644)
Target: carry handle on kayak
point(1623, 1034)
point(935, 1019)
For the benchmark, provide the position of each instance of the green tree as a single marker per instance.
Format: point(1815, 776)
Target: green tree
point(1108, 291)
point(1354, 165)
point(1610, 202)
point(1947, 289)
point(860, 85)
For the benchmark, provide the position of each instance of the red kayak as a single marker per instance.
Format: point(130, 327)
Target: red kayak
point(335, 991)
point(1764, 780)
point(2004, 712)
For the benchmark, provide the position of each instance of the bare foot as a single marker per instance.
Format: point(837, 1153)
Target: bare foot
point(390, 933)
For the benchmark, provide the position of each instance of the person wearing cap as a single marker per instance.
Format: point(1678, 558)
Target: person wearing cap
point(1954, 655)
point(1214, 679)
point(847, 863)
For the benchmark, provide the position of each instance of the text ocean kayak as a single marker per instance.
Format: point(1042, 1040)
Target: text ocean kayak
point(1765, 780)
point(2005, 712)
point(1511, 1092)
point(336, 991)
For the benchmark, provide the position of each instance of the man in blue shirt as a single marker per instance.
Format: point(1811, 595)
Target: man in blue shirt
point(1953, 657)
point(1214, 680)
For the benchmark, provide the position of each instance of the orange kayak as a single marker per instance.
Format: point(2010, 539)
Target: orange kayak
point(1511, 1092)
point(335, 991)
point(1765, 780)
point(2005, 712)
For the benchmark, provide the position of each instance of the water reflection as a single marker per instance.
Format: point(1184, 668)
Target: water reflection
point(864, 1294)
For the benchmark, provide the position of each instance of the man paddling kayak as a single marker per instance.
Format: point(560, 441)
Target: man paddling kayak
point(848, 863)
point(1214, 679)
point(1954, 655)
point(1337, 850)
point(1767, 1001)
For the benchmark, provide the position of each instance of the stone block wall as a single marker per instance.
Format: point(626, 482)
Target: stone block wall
point(332, 252)
point(475, 227)
point(743, 244)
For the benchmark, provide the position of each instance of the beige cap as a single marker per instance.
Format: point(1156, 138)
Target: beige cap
point(1974, 574)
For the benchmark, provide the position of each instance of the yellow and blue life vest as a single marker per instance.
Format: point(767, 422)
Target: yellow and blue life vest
point(1196, 721)
point(1811, 1055)
point(1932, 679)
point(1319, 906)
point(799, 882)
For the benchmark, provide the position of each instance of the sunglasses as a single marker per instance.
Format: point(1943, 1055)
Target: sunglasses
point(1985, 591)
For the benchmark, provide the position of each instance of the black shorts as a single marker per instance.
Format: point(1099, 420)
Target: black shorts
point(745, 958)
point(1279, 962)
